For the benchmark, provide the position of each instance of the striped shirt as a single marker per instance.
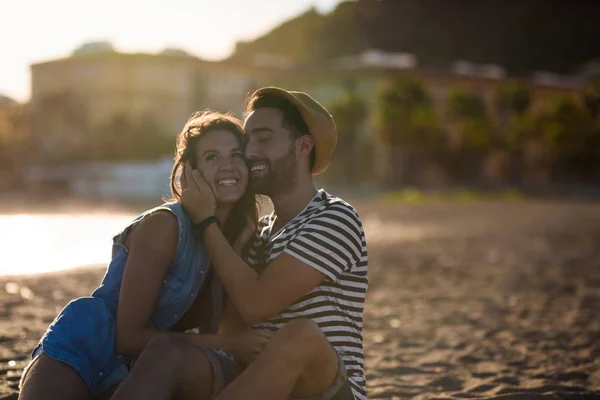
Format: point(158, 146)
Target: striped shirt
point(328, 236)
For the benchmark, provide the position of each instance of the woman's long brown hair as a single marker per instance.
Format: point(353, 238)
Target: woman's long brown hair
point(246, 209)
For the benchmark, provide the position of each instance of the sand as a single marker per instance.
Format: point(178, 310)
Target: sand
point(482, 300)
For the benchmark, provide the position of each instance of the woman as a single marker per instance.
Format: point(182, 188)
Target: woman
point(158, 279)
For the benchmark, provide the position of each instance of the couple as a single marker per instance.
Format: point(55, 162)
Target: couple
point(201, 300)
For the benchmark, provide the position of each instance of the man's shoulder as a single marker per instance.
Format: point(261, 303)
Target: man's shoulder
point(331, 204)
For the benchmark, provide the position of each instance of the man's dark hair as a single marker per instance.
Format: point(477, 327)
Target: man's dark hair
point(292, 119)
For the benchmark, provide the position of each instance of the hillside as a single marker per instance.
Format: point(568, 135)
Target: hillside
point(522, 36)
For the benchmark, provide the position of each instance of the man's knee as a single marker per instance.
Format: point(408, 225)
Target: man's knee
point(175, 355)
point(165, 348)
point(162, 343)
point(303, 335)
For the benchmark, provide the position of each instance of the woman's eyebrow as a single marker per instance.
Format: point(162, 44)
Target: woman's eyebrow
point(212, 151)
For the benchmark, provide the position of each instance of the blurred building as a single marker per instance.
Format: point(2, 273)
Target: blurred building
point(72, 96)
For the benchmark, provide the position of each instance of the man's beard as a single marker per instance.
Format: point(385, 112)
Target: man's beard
point(280, 178)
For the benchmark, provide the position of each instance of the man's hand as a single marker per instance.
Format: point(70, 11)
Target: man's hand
point(246, 346)
point(197, 197)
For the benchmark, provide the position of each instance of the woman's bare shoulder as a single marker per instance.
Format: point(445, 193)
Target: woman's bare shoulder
point(160, 227)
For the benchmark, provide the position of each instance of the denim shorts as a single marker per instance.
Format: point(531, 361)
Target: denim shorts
point(116, 377)
point(226, 368)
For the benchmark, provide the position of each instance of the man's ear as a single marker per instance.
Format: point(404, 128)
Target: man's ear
point(305, 145)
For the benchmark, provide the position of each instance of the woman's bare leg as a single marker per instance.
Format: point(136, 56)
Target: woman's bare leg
point(168, 368)
point(47, 378)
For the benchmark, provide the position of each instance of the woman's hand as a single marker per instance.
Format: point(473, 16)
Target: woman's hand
point(197, 197)
point(246, 346)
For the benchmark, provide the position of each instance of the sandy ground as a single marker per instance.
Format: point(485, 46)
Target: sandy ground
point(484, 300)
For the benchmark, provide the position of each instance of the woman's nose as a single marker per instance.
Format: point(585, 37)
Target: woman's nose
point(226, 165)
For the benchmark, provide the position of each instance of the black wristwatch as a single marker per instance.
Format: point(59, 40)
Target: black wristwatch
point(200, 227)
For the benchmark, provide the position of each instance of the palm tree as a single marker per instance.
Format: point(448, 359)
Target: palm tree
point(349, 112)
point(15, 144)
point(60, 127)
point(513, 101)
point(564, 136)
point(591, 96)
point(513, 98)
point(406, 117)
point(407, 126)
point(124, 138)
point(475, 134)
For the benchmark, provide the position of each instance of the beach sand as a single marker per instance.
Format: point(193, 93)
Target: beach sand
point(481, 300)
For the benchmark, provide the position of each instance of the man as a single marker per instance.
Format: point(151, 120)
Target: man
point(308, 278)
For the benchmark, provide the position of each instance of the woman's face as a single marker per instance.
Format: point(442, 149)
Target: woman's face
point(221, 162)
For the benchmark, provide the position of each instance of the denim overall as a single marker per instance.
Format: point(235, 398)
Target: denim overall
point(83, 334)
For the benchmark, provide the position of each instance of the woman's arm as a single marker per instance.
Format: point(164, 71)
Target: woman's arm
point(152, 246)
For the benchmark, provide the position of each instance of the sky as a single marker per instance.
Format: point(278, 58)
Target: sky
point(40, 30)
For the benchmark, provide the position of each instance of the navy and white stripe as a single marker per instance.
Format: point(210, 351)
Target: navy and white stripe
point(328, 236)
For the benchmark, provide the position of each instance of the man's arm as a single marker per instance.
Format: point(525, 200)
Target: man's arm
point(326, 247)
point(258, 297)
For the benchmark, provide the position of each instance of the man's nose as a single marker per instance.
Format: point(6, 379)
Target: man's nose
point(251, 150)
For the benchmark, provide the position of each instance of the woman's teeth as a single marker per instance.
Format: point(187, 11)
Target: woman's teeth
point(226, 182)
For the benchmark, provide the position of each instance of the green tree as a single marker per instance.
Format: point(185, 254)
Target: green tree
point(111, 140)
point(124, 138)
point(152, 140)
point(513, 103)
point(15, 144)
point(513, 98)
point(591, 96)
point(406, 117)
point(407, 126)
point(474, 133)
point(567, 137)
point(349, 112)
point(59, 128)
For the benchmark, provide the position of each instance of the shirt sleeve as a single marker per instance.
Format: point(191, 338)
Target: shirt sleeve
point(331, 242)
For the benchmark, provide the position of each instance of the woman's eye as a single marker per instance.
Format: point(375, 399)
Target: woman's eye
point(238, 155)
point(211, 157)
